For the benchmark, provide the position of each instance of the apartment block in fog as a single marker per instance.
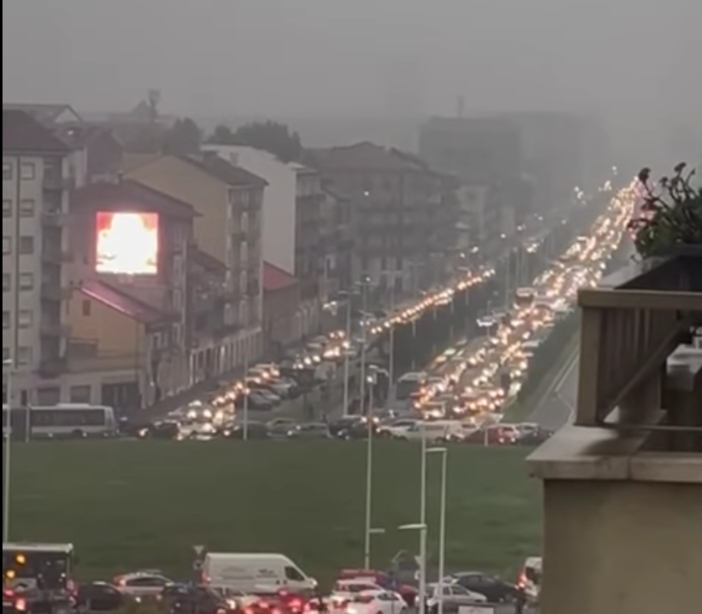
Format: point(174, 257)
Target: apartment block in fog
point(401, 213)
point(228, 201)
point(36, 178)
point(292, 223)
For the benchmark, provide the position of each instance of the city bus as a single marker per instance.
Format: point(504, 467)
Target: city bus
point(30, 566)
point(70, 420)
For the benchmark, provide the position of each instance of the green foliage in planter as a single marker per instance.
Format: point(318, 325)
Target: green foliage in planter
point(671, 214)
point(546, 355)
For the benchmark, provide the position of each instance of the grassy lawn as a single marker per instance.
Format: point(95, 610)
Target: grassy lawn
point(128, 505)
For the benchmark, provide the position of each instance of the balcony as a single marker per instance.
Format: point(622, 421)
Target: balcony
point(52, 327)
point(53, 254)
point(51, 291)
point(51, 368)
point(54, 218)
point(623, 484)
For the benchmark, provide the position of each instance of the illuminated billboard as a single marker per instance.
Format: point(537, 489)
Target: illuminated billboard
point(126, 242)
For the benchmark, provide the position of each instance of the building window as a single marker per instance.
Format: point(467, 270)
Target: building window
point(26, 246)
point(244, 222)
point(231, 196)
point(24, 356)
point(26, 208)
point(80, 394)
point(244, 254)
point(28, 171)
point(86, 308)
point(6, 319)
point(6, 171)
point(6, 282)
point(6, 245)
point(49, 396)
point(177, 266)
point(243, 313)
point(177, 334)
point(25, 319)
point(243, 279)
point(5, 354)
point(26, 281)
point(177, 300)
point(7, 208)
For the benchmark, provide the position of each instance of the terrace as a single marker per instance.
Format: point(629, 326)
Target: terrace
point(623, 484)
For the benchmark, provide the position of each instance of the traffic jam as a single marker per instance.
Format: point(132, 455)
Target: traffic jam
point(463, 394)
point(38, 579)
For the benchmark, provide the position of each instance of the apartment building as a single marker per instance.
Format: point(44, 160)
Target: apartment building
point(402, 215)
point(292, 222)
point(37, 174)
point(228, 201)
point(130, 246)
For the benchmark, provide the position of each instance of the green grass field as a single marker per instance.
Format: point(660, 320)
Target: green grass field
point(128, 505)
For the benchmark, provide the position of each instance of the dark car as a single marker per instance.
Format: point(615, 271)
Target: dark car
point(344, 427)
point(100, 597)
point(493, 587)
point(254, 430)
point(534, 437)
point(310, 430)
point(192, 599)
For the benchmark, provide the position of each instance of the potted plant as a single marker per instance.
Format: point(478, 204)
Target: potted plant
point(670, 218)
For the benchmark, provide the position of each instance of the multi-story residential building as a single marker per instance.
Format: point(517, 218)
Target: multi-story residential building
point(282, 326)
point(402, 214)
point(36, 179)
point(292, 222)
point(336, 242)
point(228, 201)
point(130, 247)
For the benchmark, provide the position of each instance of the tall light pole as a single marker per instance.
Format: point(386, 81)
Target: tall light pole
point(423, 522)
point(369, 478)
point(421, 527)
point(442, 523)
point(7, 366)
point(391, 333)
point(364, 329)
point(347, 360)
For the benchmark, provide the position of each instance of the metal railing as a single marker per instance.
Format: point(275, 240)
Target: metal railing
point(630, 325)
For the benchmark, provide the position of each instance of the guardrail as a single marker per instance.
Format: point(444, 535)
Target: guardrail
point(630, 324)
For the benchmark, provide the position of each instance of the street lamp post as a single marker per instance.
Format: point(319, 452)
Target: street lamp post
point(442, 523)
point(7, 366)
point(364, 329)
point(421, 527)
point(423, 522)
point(347, 359)
point(369, 478)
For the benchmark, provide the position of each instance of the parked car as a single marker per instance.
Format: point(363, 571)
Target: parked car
point(454, 597)
point(281, 427)
point(254, 430)
point(192, 599)
point(142, 584)
point(495, 589)
point(99, 597)
point(311, 430)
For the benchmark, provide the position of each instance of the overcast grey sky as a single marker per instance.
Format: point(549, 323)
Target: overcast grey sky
point(358, 57)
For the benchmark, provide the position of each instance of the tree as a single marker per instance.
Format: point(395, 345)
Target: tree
point(183, 138)
point(272, 137)
point(222, 135)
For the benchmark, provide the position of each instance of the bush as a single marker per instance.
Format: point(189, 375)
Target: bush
point(546, 355)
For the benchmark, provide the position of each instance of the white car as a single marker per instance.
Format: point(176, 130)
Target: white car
point(397, 428)
point(345, 591)
point(142, 584)
point(377, 602)
point(455, 596)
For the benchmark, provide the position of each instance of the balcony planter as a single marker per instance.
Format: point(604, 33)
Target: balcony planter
point(669, 222)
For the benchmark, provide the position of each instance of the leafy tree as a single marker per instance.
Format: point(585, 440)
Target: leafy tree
point(222, 135)
point(272, 137)
point(183, 138)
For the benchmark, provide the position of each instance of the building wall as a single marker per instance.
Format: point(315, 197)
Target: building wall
point(621, 547)
point(33, 219)
point(281, 323)
point(278, 238)
point(207, 195)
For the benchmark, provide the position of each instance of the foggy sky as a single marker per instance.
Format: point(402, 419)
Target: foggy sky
point(360, 57)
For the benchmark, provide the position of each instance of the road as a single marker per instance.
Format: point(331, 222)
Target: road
point(556, 407)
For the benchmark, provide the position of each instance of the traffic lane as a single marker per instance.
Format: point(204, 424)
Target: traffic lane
point(556, 407)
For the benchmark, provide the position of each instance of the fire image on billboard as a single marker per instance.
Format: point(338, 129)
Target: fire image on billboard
point(126, 242)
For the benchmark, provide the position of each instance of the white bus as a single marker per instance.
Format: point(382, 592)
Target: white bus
point(37, 566)
point(60, 421)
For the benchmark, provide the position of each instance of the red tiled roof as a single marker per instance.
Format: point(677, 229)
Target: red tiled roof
point(128, 191)
point(22, 133)
point(120, 300)
point(275, 278)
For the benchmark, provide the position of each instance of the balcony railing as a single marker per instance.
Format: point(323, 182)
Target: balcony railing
point(631, 324)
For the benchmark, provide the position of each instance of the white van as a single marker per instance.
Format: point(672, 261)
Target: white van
point(254, 572)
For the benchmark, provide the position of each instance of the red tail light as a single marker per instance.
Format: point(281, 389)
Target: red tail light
point(21, 605)
point(295, 605)
point(522, 582)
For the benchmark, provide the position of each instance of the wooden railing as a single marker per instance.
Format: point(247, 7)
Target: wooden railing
point(631, 323)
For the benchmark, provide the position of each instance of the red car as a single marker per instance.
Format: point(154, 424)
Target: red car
point(382, 579)
point(278, 602)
